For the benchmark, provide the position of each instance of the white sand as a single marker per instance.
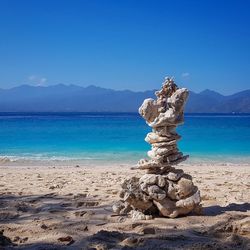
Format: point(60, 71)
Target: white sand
point(40, 204)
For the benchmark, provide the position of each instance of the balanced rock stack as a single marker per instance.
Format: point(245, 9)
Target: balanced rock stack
point(163, 190)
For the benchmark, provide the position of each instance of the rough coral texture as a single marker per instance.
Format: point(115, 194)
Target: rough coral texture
point(163, 189)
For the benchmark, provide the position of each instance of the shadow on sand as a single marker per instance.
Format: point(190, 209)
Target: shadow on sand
point(233, 207)
point(181, 239)
point(71, 213)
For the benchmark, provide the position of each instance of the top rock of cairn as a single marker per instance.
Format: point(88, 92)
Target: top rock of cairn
point(164, 114)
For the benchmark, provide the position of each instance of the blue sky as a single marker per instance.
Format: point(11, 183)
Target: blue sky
point(128, 44)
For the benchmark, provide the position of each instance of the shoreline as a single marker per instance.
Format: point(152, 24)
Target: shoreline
point(39, 205)
point(221, 160)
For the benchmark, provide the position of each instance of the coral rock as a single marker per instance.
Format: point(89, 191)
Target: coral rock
point(163, 189)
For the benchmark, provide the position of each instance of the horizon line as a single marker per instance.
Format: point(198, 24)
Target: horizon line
point(92, 85)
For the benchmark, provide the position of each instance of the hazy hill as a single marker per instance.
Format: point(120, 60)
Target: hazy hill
point(67, 98)
point(212, 102)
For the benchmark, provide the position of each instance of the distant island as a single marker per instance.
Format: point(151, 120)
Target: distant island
point(73, 98)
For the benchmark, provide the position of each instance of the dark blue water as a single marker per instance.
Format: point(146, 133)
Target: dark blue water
point(117, 137)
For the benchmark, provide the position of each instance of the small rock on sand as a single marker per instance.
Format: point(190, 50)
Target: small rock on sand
point(67, 239)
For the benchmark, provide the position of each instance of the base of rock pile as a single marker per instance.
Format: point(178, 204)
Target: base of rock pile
point(170, 194)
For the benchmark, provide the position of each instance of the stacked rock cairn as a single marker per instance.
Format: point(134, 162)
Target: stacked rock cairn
point(163, 190)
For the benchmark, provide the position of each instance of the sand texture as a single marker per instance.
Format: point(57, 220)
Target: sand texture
point(45, 207)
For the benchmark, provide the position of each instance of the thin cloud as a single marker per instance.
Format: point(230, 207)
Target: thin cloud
point(37, 80)
point(43, 80)
point(185, 75)
point(32, 78)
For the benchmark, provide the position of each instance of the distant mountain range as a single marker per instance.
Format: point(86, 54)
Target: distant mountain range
point(73, 98)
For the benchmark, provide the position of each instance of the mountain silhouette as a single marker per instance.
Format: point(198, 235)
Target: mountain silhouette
point(73, 98)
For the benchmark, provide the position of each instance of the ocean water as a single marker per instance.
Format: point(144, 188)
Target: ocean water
point(101, 138)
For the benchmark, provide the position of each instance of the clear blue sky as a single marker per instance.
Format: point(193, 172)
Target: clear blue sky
point(129, 44)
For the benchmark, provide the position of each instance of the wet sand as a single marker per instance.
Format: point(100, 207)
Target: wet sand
point(46, 207)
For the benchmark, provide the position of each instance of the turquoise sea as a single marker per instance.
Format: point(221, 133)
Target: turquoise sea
point(118, 137)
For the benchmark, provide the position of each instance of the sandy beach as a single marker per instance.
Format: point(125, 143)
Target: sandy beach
point(53, 207)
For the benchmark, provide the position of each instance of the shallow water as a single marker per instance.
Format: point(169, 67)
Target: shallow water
point(119, 137)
